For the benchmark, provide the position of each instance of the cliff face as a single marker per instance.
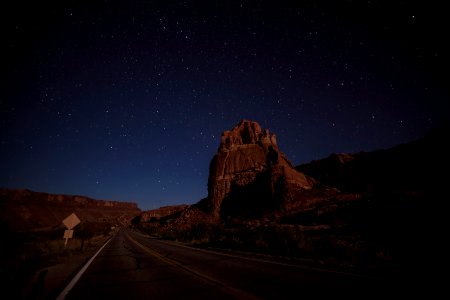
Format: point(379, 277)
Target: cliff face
point(249, 164)
point(25, 210)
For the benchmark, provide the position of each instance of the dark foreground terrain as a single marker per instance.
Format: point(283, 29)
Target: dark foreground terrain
point(135, 266)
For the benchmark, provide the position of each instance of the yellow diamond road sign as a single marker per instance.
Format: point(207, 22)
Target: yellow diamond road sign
point(68, 234)
point(71, 221)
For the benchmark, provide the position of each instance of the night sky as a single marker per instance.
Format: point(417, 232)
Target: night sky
point(126, 100)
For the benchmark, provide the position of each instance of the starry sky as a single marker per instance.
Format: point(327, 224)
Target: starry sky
point(126, 100)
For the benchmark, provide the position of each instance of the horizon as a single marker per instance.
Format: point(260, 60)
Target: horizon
point(126, 101)
point(195, 201)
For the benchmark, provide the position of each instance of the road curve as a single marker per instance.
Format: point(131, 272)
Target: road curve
point(134, 266)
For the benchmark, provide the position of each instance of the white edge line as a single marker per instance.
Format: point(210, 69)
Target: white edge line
point(77, 277)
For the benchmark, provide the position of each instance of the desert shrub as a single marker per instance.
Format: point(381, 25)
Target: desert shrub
point(274, 239)
point(199, 233)
point(281, 240)
point(324, 245)
point(150, 228)
point(136, 220)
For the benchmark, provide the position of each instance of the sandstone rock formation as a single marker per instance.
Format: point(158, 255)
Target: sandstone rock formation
point(241, 167)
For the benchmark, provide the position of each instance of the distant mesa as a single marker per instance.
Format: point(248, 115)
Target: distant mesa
point(23, 209)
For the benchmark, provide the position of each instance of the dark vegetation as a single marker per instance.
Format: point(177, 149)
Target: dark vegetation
point(358, 236)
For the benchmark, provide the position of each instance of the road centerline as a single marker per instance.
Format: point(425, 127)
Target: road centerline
point(237, 292)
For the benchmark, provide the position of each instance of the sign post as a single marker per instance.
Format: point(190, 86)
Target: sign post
point(70, 222)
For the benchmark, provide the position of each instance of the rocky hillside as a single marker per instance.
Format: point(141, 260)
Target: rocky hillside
point(164, 211)
point(26, 210)
point(408, 168)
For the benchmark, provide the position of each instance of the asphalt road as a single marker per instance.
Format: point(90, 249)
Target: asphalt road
point(134, 266)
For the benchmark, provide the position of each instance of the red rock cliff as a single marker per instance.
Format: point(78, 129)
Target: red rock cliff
point(242, 155)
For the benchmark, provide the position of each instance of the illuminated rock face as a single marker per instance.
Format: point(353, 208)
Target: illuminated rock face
point(242, 157)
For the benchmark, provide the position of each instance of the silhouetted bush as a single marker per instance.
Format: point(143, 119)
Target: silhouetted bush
point(136, 220)
point(199, 233)
point(84, 231)
point(321, 245)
